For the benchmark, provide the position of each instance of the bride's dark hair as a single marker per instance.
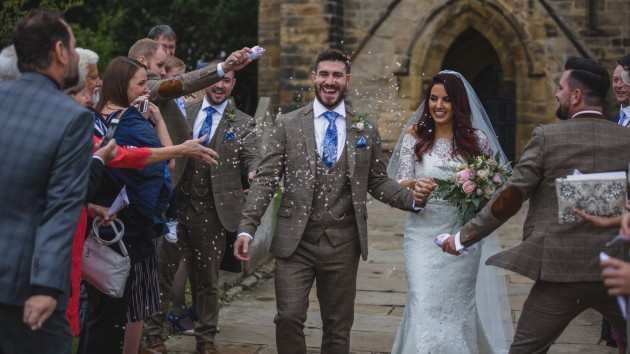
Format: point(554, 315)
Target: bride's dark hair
point(464, 137)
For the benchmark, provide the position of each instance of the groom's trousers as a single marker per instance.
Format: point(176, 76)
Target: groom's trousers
point(335, 269)
point(550, 307)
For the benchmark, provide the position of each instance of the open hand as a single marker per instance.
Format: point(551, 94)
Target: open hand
point(195, 149)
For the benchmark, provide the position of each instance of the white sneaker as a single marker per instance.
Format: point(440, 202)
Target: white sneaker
point(171, 235)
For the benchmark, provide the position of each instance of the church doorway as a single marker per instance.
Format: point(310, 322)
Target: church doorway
point(472, 55)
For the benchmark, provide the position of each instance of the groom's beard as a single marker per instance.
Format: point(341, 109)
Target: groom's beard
point(562, 113)
point(335, 103)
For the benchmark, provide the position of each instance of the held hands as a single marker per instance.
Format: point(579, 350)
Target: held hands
point(237, 60)
point(37, 309)
point(241, 247)
point(422, 190)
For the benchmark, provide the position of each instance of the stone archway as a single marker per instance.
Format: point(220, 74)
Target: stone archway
point(483, 38)
point(486, 76)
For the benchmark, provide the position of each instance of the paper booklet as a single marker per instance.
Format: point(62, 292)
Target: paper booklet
point(602, 194)
point(122, 200)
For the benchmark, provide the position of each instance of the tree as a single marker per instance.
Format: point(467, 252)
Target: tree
point(204, 32)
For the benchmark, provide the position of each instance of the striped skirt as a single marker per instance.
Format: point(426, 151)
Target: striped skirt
point(144, 298)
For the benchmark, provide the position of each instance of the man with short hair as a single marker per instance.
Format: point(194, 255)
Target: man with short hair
point(47, 140)
point(328, 166)
point(163, 92)
point(622, 92)
point(211, 198)
point(562, 259)
point(164, 35)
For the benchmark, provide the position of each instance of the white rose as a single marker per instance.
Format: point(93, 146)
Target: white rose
point(360, 126)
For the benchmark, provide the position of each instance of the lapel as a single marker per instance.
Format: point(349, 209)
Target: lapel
point(192, 110)
point(351, 141)
point(219, 135)
point(308, 127)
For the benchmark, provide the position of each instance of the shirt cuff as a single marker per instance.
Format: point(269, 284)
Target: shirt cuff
point(245, 234)
point(458, 244)
point(98, 158)
point(417, 208)
point(220, 71)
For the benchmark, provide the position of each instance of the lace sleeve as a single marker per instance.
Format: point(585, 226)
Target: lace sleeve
point(483, 143)
point(406, 170)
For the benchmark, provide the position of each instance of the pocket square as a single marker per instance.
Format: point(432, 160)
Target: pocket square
point(230, 135)
point(361, 143)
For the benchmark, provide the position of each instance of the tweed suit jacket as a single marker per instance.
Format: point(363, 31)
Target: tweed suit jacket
point(551, 251)
point(46, 144)
point(243, 150)
point(292, 154)
point(163, 93)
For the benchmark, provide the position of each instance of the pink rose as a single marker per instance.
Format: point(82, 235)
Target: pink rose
point(469, 187)
point(466, 174)
point(497, 179)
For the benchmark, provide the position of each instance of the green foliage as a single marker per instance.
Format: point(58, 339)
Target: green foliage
point(205, 30)
point(13, 11)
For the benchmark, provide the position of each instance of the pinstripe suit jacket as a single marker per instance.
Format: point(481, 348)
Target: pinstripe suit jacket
point(292, 154)
point(227, 189)
point(46, 144)
point(163, 93)
point(551, 251)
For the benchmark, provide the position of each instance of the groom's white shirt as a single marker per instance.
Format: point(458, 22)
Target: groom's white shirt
point(321, 124)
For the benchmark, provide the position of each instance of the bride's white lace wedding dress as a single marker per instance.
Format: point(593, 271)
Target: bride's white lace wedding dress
point(440, 315)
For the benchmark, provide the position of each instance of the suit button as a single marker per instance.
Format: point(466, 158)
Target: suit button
point(327, 208)
point(329, 190)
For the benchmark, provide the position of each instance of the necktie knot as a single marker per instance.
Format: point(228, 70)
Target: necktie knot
point(331, 116)
point(210, 110)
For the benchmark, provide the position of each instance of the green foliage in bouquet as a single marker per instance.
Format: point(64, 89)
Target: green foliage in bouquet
point(473, 184)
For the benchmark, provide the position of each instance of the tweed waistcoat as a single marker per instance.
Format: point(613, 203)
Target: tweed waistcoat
point(332, 212)
point(196, 184)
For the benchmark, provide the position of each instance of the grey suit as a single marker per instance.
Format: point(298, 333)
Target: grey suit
point(561, 258)
point(46, 144)
point(314, 239)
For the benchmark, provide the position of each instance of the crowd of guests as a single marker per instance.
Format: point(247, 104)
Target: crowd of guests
point(152, 152)
point(186, 158)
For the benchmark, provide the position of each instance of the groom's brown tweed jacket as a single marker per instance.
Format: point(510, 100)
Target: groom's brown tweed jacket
point(551, 251)
point(292, 154)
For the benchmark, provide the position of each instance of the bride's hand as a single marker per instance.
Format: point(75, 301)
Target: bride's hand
point(423, 189)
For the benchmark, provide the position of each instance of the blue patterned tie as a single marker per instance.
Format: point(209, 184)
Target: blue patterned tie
point(622, 118)
point(206, 127)
point(329, 149)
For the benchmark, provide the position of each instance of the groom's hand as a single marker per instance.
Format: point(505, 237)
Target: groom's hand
point(449, 246)
point(422, 191)
point(241, 247)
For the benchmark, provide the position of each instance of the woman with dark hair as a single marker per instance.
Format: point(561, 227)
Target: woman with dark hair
point(114, 323)
point(441, 316)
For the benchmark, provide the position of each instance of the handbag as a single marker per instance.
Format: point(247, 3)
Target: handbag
point(602, 194)
point(103, 267)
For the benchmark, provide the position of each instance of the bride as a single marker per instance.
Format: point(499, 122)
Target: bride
point(451, 308)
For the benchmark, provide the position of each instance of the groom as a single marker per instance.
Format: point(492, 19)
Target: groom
point(561, 258)
point(330, 159)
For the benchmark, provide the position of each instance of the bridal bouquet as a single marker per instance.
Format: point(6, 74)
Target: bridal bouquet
point(473, 184)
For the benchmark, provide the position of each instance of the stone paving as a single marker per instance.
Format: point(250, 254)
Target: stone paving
point(247, 321)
